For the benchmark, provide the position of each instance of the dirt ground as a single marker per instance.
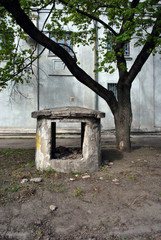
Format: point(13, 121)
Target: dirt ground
point(121, 201)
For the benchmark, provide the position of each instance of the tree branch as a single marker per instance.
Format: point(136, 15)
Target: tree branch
point(145, 52)
point(48, 16)
point(26, 66)
point(23, 21)
point(44, 6)
point(92, 17)
point(121, 59)
point(134, 3)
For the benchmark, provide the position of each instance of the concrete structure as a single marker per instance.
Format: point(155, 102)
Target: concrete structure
point(52, 85)
point(46, 135)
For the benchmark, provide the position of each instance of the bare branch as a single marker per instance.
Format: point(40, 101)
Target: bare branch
point(26, 66)
point(48, 16)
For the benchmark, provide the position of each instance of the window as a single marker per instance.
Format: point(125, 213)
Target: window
point(127, 49)
point(64, 42)
point(6, 42)
point(126, 46)
point(112, 87)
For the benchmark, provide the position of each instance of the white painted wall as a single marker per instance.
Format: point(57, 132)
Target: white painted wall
point(59, 88)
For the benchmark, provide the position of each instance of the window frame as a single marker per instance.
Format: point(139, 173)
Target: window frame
point(126, 46)
point(113, 87)
point(63, 42)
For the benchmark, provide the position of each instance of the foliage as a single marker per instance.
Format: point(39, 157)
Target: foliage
point(120, 21)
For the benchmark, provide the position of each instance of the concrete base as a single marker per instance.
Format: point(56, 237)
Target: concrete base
point(91, 147)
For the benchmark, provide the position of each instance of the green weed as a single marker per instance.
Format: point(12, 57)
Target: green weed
point(77, 192)
point(31, 164)
point(108, 177)
point(104, 167)
point(15, 188)
point(3, 182)
point(56, 187)
point(48, 173)
point(131, 176)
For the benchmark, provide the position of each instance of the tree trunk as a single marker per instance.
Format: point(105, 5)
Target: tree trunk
point(123, 118)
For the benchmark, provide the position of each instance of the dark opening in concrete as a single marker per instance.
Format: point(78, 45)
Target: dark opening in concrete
point(56, 149)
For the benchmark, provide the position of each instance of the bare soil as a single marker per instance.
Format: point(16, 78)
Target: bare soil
point(121, 201)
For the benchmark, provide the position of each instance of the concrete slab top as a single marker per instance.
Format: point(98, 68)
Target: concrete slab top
point(68, 112)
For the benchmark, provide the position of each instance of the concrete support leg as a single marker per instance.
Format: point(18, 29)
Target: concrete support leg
point(92, 145)
point(43, 143)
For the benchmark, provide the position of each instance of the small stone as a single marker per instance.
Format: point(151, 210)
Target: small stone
point(72, 179)
point(115, 180)
point(36, 180)
point(132, 161)
point(24, 180)
point(52, 207)
point(86, 176)
point(111, 163)
point(101, 178)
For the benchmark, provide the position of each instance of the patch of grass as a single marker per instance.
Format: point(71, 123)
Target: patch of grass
point(31, 164)
point(108, 177)
point(4, 189)
point(104, 167)
point(49, 172)
point(59, 187)
point(77, 192)
point(12, 151)
point(2, 182)
point(3, 193)
point(15, 188)
point(131, 176)
point(16, 164)
point(74, 175)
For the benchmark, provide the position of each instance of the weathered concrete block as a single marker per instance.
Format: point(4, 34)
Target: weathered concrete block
point(91, 148)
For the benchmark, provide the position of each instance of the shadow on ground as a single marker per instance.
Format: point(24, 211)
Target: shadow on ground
point(110, 155)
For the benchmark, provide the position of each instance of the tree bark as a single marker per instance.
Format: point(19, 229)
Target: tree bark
point(123, 118)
